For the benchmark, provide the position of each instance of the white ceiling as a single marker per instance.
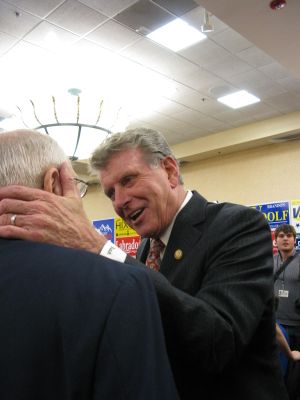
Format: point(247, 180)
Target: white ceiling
point(252, 48)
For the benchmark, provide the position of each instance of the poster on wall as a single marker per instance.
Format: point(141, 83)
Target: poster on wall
point(106, 227)
point(295, 220)
point(295, 215)
point(276, 213)
point(126, 238)
point(129, 244)
point(122, 229)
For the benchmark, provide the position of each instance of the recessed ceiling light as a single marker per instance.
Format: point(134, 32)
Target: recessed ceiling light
point(238, 99)
point(176, 35)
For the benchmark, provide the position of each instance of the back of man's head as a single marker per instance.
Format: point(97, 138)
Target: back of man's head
point(25, 157)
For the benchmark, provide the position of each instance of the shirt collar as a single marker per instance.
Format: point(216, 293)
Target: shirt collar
point(166, 235)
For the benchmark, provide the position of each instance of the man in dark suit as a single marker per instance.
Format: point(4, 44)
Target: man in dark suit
point(74, 325)
point(214, 283)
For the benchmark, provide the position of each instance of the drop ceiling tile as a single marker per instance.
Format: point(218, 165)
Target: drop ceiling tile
point(290, 83)
point(243, 121)
point(199, 120)
point(193, 100)
point(144, 17)
point(221, 90)
point(113, 35)
point(39, 8)
point(205, 53)
point(228, 67)
point(202, 81)
point(159, 59)
point(275, 70)
point(109, 8)
point(231, 41)
point(285, 102)
point(165, 122)
point(6, 41)
point(258, 111)
point(255, 57)
point(233, 117)
point(15, 25)
point(40, 34)
point(177, 7)
point(269, 91)
point(212, 107)
point(168, 107)
point(251, 79)
point(257, 83)
point(180, 90)
point(76, 17)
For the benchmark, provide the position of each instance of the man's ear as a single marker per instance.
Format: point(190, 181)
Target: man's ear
point(52, 181)
point(171, 167)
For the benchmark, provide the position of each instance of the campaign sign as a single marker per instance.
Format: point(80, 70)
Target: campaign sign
point(106, 227)
point(129, 244)
point(122, 229)
point(276, 213)
point(295, 215)
point(298, 243)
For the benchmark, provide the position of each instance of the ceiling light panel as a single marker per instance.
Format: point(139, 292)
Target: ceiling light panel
point(238, 99)
point(176, 35)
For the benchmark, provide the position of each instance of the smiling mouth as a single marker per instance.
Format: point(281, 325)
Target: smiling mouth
point(134, 216)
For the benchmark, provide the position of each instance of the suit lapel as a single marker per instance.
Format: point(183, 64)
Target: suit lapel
point(186, 232)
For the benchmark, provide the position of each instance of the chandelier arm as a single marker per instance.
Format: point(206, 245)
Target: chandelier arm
point(23, 118)
point(77, 142)
point(34, 112)
point(54, 109)
point(100, 111)
point(78, 108)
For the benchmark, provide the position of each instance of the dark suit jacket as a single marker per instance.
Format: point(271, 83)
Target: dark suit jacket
point(216, 303)
point(75, 325)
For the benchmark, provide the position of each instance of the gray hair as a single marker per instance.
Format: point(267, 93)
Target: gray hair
point(152, 143)
point(25, 157)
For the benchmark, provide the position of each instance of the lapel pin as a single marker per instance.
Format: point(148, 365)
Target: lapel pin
point(178, 254)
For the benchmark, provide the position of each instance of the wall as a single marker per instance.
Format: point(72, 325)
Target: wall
point(268, 173)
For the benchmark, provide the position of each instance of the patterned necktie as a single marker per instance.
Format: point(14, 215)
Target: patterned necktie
point(153, 259)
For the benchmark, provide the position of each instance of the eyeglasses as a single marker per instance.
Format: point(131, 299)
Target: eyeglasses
point(82, 186)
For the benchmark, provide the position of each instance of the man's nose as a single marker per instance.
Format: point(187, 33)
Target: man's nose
point(121, 197)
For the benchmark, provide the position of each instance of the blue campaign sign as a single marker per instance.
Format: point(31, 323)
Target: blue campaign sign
point(106, 227)
point(298, 242)
point(276, 213)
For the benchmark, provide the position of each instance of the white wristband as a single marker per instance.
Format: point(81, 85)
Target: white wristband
point(113, 252)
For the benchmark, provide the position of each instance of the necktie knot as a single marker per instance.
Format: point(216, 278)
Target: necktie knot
point(153, 259)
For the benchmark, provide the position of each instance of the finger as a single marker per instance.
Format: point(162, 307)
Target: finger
point(15, 232)
point(67, 175)
point(14, 206)
point(40, 206)
point(21, 192)
point(8, 219)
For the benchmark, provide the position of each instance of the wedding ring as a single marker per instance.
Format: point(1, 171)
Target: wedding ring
point(13, 219)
